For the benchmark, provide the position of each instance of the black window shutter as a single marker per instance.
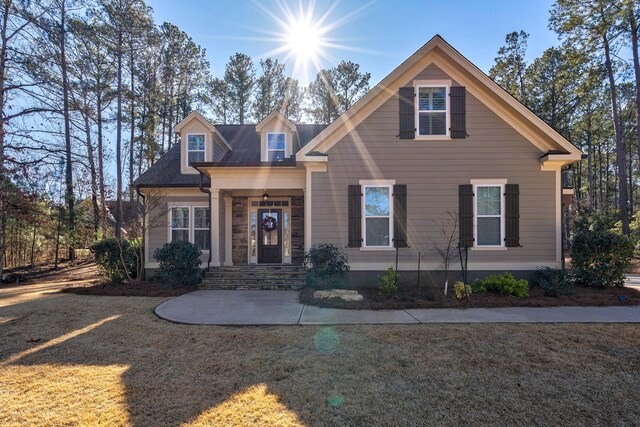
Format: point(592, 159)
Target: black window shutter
point(400, 216)
point(407, 114)
point(465, 212)
point(512, 215)
point(458, 112)
point(355, 216)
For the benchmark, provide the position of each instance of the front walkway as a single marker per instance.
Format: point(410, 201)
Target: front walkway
point(282, 308)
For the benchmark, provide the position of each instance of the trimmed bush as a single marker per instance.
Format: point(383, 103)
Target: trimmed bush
point(325, 264)
point(179, 263)
point(599, 254)
point(388, 283)
point(461, 290)
point(115, 258)
point(554, 282)
point(504, 284)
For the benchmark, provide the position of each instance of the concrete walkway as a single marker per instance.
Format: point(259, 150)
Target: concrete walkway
point(282, 308)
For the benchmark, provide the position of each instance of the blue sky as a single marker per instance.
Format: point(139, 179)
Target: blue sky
point(378, 35)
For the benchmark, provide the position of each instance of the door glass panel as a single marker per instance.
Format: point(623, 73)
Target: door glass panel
point(286, 235)
point(270, 238)
point(253, 237)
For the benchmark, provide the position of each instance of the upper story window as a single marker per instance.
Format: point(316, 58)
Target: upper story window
point(432, 110)
point(489, 217)
point(276, 146)
point(195, 148)
point(377, 216)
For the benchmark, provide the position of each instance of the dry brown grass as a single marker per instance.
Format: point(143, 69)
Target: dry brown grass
point(71, 359)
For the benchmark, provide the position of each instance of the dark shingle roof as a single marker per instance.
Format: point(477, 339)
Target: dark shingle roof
point(245, 142)
point(166, 173)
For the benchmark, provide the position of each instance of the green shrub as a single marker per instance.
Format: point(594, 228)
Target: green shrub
point(388, 283)
point(325, 264)
point(553, 281)
point(504, 284)
point(179, 263)
point(115, 258)
point(599, 254)
point(461, 290)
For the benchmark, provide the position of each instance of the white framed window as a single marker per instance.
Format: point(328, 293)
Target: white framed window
point(488, 215)
point(196, 148)
point(377, 215)
point(276, 146)
point(191, 224)
point(432, 109)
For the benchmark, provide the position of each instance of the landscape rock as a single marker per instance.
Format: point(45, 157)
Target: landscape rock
point(343, 294)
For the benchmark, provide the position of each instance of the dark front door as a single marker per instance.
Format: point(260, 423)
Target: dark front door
point(269, 242)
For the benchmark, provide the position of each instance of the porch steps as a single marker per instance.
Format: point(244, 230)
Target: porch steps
point(271, 277)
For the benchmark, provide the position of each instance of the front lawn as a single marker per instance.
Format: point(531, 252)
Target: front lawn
point(73, 359)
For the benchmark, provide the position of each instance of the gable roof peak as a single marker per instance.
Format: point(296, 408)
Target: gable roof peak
point(275, 114)
point(194, 115)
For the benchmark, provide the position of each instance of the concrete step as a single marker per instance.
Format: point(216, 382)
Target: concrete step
point(251, 286)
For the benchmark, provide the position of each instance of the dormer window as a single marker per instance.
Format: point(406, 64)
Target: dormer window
point(276, 146)
point(195, 148)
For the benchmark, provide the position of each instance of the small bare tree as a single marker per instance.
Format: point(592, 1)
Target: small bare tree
point(444, 248)
point(146, 217)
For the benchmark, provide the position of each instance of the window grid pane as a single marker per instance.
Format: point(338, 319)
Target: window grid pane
point(196, 142)
point(276, 141)
point(376, 201)
point(180, 218)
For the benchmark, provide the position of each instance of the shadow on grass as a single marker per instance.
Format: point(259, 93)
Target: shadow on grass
point(111, 357)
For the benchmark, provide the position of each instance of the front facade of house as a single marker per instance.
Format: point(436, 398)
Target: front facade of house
point(435, 145)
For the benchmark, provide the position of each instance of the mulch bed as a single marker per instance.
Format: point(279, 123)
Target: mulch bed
point(432, 299)
point(143, 289)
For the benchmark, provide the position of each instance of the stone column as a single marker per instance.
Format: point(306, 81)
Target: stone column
point(215, 227)
point(228, 230)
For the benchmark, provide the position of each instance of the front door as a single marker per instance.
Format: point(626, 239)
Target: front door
point(269, 236)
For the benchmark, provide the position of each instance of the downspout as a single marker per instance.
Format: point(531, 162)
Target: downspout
point(206, 191)
point(144, 233)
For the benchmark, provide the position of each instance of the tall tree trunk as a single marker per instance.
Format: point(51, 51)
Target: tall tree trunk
point(132, 125)
point(119, 139)
point(3, 60)
point(103, 201)
point(621, 155)
point(633, 23)
point(92, 171)
point(71, 218)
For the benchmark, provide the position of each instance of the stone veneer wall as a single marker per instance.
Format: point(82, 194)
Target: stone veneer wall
point(240, 226)
point(297, 230)
point(239, 231)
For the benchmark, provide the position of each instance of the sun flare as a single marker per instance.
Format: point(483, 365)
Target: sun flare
point(306, 36)
point(303, 39)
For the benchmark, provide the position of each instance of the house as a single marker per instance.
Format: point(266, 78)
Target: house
point(434, 136)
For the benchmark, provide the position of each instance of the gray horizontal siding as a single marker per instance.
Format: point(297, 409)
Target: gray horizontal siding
point(157, 221)
point(432, 171)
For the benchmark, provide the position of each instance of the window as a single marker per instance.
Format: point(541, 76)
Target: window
point(432, 111)
point(377, 216)
point(201, 234)
point(191, 224)
point(179, 224)
point(489, 215)
point(276, 146)
point(195, 148)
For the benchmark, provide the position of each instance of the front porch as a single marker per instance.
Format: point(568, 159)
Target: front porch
point(251, 228)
